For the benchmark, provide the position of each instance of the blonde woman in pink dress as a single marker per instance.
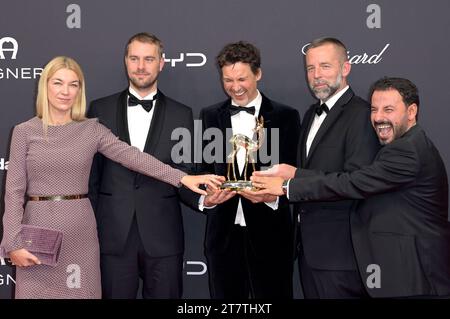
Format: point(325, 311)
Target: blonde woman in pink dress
point(50, 159)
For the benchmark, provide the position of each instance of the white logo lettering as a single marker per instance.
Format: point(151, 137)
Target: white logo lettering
point(6, 281)
point(14, 49)
point(199, 272)
point(363, 58)
point(3, 261)
point(196, 64)
point(195, 59)
point(20, 73)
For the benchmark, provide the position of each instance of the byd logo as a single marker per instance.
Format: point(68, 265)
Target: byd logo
point(192, 59)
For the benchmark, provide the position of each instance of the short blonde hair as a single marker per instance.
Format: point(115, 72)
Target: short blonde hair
point(42, 107)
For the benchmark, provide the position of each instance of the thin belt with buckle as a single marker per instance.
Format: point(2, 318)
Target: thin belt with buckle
point(56, 197)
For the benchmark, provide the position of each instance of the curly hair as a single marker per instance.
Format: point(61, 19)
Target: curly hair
point(241, 51)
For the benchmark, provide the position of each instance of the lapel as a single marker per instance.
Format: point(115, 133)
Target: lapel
point(308, 119)
point(157, 124)
point(331, 118)
point(268, 113)
point(122, 118)
point(224, 123)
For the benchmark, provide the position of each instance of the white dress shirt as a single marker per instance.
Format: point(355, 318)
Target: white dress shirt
point(139, 121)
point(244, 123)
point(318, 120)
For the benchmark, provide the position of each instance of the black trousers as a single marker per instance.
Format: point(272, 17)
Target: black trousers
point(238, 273)
point(161, 276)
point(329, 284)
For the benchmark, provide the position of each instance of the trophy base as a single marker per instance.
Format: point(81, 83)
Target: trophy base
point(237, 185)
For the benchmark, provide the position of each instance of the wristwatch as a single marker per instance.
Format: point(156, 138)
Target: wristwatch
point(284, 187)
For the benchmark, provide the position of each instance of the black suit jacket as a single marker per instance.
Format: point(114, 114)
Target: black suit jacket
point(270, 231)
point(402, 224)
point(345, 142)
point(118, 194)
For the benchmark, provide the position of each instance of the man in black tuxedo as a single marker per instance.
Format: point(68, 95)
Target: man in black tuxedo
point(335, 136)
point(139, 218)
point(400, 231)
point(248, 238)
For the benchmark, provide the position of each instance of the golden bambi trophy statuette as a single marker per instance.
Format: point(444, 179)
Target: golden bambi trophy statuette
point(241, 141)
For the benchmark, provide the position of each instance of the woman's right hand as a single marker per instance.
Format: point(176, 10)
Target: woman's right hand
point(194, 181)
point(23, 258)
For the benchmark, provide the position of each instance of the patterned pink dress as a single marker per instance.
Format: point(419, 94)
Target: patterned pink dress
point(59, 164)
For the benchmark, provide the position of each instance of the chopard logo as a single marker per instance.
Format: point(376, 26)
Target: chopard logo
point(361, 58)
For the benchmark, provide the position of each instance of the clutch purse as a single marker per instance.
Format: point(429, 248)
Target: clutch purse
point(44, 243)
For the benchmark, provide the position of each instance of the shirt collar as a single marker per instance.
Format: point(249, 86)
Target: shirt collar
point(147, 97)
point(332, 100)
point(256, 102)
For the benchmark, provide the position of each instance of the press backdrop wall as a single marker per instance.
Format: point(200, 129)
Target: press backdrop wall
point(406, 38)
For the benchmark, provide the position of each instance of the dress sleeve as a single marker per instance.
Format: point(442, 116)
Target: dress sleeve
point(131, 157)
point(15, 189)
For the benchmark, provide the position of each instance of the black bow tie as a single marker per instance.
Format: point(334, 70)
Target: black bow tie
point(146, 104)
point(236, 109)
point(322, 108)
